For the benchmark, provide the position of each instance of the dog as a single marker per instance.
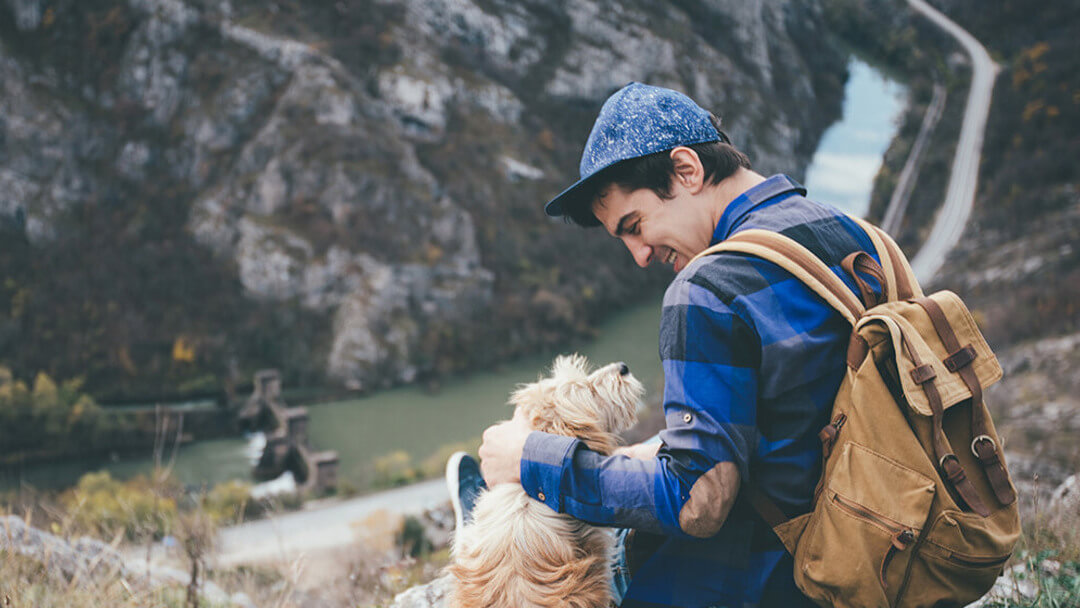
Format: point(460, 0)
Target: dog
point(518, 552)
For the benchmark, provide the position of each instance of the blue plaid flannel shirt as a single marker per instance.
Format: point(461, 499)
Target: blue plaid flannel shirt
point(752, 362)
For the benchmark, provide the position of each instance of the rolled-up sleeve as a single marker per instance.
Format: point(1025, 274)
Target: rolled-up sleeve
point(710, 357)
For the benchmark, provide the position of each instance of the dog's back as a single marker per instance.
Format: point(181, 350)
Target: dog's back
point(519, 553)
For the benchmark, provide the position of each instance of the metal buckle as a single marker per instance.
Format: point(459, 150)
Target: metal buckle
point(941, 461)
point(977, 439)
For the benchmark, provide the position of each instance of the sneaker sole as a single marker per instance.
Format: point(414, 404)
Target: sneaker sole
point(453, 464)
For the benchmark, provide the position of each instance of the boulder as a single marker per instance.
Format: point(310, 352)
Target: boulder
point(1063, 513)
point(431, 595)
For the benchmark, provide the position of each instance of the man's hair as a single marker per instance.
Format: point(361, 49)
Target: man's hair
point(720, 159)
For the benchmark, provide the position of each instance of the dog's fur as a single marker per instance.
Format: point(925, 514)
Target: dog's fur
point(517, 552)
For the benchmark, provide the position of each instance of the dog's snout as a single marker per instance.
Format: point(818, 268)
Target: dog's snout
point(624, 369)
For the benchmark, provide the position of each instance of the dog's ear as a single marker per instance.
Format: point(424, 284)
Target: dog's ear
point(570, 367)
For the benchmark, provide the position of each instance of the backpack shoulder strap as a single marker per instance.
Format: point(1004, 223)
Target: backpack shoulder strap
point(799, 261)
point(902, 282)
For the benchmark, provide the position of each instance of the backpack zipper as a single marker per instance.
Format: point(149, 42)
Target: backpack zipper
point(977, 562)
point(902, 536)
point(881, 521)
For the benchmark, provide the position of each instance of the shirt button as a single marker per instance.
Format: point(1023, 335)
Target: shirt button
point(541, 496)
point(687, 417)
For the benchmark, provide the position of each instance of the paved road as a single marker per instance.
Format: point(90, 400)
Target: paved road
point(960, 196)
point(321, 528)
point(894, 213)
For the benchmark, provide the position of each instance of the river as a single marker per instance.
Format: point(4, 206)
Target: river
point(419, 423)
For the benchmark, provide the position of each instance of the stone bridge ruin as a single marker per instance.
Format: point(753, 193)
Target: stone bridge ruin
point(287, 446)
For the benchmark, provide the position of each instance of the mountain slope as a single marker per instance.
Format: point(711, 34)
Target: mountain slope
point(349, 191)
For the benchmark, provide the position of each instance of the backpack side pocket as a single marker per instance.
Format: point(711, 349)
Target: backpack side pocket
point(870, 513)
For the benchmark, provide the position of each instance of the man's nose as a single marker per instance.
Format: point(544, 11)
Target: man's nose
point(641, 252)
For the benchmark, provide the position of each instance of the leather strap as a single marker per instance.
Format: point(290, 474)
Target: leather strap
point(883, 255)
point(799, 261)
point(765, 506)
point(861, 262)
point(983, 446)
point(828, 436)
point(899, 542)
point(903, 284)
point(960, 359)
point(858, 349)
point(943, 452)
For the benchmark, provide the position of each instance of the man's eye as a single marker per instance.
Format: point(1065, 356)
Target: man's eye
point(635, 228)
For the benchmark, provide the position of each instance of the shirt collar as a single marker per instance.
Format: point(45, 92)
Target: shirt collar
point(775, 187)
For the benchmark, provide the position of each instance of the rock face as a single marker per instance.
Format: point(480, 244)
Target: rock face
point(353, 186)
point(1065, 507)
point(86, 560)
point(431, 595)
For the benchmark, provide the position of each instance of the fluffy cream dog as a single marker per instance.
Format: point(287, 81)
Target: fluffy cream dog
point(517, 552)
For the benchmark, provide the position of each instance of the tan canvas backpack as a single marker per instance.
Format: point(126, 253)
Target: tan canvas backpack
point(915, 506)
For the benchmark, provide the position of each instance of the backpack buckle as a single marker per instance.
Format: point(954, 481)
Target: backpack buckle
point(980, 438)
point(941, 461)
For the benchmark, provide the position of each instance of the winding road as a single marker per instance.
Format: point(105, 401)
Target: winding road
point(960, 195)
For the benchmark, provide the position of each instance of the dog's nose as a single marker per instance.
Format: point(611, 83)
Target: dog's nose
point(623, 369)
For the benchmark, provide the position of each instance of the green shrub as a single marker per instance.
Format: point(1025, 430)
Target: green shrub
point(49, 416)
point(395, 469)
point(435, 465)
point(412, 538)
point(230, 503)
point(138, 508)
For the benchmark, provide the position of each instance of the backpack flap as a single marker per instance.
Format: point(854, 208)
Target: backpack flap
point(910, 325)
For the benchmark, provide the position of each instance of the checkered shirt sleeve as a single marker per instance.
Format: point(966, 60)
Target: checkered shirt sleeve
point(710, 356)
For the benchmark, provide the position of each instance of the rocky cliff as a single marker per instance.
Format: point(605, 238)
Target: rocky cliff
point(191, 189)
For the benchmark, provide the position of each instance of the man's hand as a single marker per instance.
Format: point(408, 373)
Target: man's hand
point(500, 453)
point(641, 451)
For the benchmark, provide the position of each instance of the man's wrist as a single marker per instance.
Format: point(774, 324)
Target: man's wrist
point(544, 461)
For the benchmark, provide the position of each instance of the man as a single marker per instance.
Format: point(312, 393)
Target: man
point(752, 361)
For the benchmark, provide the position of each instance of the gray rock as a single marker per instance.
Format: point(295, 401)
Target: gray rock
point(1015, 584)
point(28, 13)
point(85, 560)
point(431, 595)
point(133, 159)
point(271, 260)
point(376, 194)
point(1064, 510)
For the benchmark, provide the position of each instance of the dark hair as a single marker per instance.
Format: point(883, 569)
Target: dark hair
point(720, 159)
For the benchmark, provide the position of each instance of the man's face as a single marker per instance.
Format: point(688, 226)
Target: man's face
point(668, 231)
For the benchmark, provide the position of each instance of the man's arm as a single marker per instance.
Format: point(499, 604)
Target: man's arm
point(503, 443)
point(641, 451)
point(710, 358)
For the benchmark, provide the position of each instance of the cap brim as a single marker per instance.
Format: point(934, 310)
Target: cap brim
point(572, 196)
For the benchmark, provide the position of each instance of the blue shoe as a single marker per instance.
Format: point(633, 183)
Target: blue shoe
point(465, 483)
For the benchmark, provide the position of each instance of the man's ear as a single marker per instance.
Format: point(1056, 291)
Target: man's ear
point(689, 173)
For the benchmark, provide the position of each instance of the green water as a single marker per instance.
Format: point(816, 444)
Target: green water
point(412, 420)
point(408, 418)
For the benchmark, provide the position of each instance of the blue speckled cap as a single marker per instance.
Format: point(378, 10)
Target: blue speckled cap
point(637, 120)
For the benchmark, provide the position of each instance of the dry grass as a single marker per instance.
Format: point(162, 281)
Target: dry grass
point(27, 582)
point(369, 572)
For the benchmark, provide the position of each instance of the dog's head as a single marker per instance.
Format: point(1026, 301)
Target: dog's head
point(572, 401)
